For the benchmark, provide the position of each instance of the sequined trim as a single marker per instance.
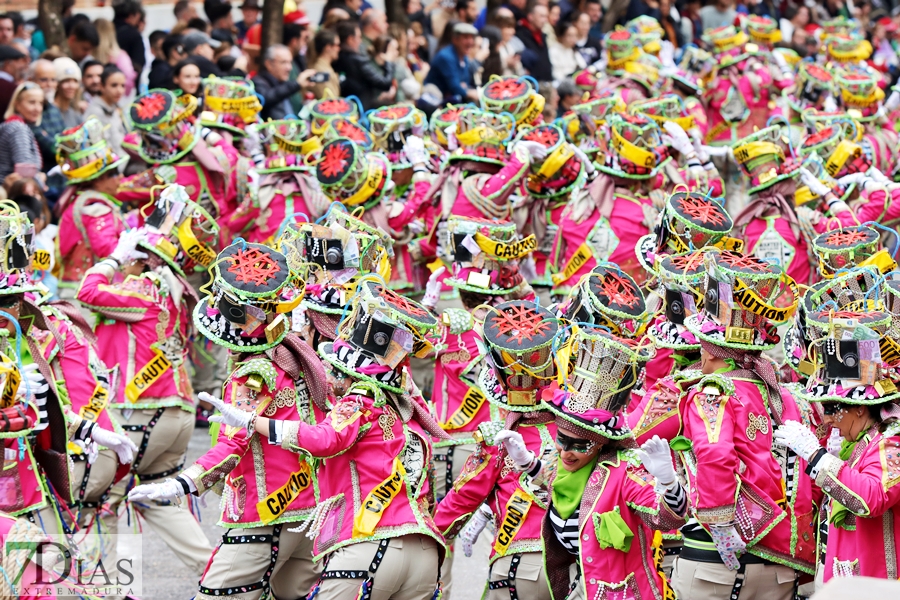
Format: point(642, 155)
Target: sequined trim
point(354, 481)
point(716, 514)
point(890, 549)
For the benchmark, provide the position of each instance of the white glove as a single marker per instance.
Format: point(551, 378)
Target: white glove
point(667, 53)
point(829, 105)
point(878, 177)
point(126, 248)
point(799, 438)
point(657, 459)
point(835, 443)
point(163, 490)
point(120, 444)
point(469, 534)
point(433, 288)
point(536, 150)
point(726, 151)
point(584, 158)
point(699, 148)
point(856, 178)
point(229, 415)
point(815, 186)
point(515, 447)
point(782, 64)
point(728, 543)
point(892, 103)
point(34, 383)
point(452, 142)
point(678, 138)
point(415, 152)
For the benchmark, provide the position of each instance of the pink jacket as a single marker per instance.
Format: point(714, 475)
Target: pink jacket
point(752, 89)
point(866, 485)
point(658, 412)
point(374, 476)
point(264, 484)
point(618, 484)
point(21, 487)
point(143, 331)
point(771, 238)
point(489, 476)
point(496, 188)
point(735, 478)
point(280, 195)
point(458, 406)
point(89, 229)
point(409, 272)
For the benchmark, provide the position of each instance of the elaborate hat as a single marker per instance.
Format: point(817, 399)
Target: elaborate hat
point(680, 277)
point(287, 144)
point(561, 170)
point(763, 30)
point(582, 122)
point(15, 418)
point(389, 127)
point(622, 46)
point(485, 255)
point(519, 337)
point(166, 125)
point(482, 136)
point(668, 107)
point(764, 157)
point(517, 96)
point(836, 144)
point(229, 104)
point(847, 49)
point(849, 247)
point(628, 60)
point(861, 95)
point(608, 297)
point(340, 127)
point(179, 231)
point(727, 39)
point(381, 330)
point(841, 25)
point(596, 373)
point(83, 153)
point(631, 147)
point(250, 298)
point(744, 298)
point(323, 111)
point(350, 175)
point(443, 118)
point(812, 84)
point(17, 251)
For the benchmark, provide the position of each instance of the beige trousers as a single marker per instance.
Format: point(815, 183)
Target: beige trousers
point(100, 478)
point(712, 581)
point(408, 571)
point(530, 581)
point(233, 565)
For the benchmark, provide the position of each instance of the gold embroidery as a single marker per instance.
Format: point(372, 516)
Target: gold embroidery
point(757, 424)
point(386, 422)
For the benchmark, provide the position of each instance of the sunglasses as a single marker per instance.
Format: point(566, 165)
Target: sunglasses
point(570, 444)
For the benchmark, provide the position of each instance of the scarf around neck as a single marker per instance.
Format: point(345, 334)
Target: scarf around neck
point(568, 487)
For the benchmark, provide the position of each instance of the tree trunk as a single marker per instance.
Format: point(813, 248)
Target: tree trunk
point(493, 5)
point(272, 24)
point(395, 13)
point(50, 20)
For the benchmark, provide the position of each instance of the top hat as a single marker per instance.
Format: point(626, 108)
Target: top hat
point(323, 111)
point(389, 127)
point(229, 104)
point(165, 124)
point(764, 157)
point(609, 297)
point(680, 277)
point(83, 153)
point(631, 147)
point(517, 96)
point(560, 171)
point(482, 136)
point(485, 255)
point(287, 144)
point(350, 175)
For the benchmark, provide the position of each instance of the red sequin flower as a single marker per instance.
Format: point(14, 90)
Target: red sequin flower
point(505, 89)
point(150, 105)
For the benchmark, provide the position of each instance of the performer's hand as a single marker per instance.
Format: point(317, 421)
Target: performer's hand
point(536, 150)
point(714, 151)
point(33, 384)
point(815, 186)
point(799, 438)
point(515, 447)
point(126, 248)
point(433, 288)
point(657, 459)
point(678, 138)
point(415, 152)
point(229, 415)
point(469, 534)
point(120, 444)
point(164, 490)
point(729, 544)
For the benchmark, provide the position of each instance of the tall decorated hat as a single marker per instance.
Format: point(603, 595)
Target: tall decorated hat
point(726, 40)
point(596, 372)
point(648, 31)
point(83, 153)
point(631, 147)
point(847, 49)
point(519, 338)
point(622, 47)
point(841, 25)
point(179, 231)
point(680, 277)
point(229, 104)
point(165, 124)
point(381, 330)
point(346, 128)
point(561, 171)
point(669, 107)
point(323, 111)
point(763, 31)
point(442, 119)
point(812, 85)
point(861, 95)
point(744, 298)
point(836, 144)
point(389, 127)
point(765, 158)
point(250, 298)
point(287, 145)
point(849, 247)
point(17, 251)
point(482, 136)
point(608, 297)
point(350, 175)
point(517, 96)
point(891, 294)
point(583, 123)
point(485, 255)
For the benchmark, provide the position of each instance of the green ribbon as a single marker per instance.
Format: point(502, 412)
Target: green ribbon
point(612, 531)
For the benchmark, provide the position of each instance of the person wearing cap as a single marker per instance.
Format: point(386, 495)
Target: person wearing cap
point(141, 291)
point(126, 17)
point(250, 10)
point(201, 46)
point(276, 375)
point(452, 70)
point(68, 86)
point(12, 66)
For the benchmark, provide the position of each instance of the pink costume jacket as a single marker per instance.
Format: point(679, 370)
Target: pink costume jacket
point(518, 502)
point(264, 484)
point(145, 333)
point(482, 189)
point(864, 491)
point(373, 459)
point(734, 476)
point(408, 270)
point(771, 238)
point(882, 142)
point(618, 484)
point(545, 216)
point(658, 412)
point(17, 565)
point(89, 229)
point(742, 98)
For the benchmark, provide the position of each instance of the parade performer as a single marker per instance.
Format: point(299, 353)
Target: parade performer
point(230, 106)
point(863, 99)
point(520, 335)
point(267, 488)
point(146, 302)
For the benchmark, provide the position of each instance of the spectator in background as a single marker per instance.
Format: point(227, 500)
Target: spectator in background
point(127, 16)
point(108, 52)
point(83, 41)
point(7, 29)
point(105, 106)
point(184, 12)
point(417, 52)
point(273, 82)
point(299, 19)
point(409, 85)
point(360, 75)
point(451, 70)
point(569, 95)
point(219, 14)
point(91, 72)
point(12, 67)
point(795, 17)
point(20, 33)
point(68, 88)
point(202, 46)
point(155, 42)
point(717, 14)
point(199, 24)
point(493, 63)
point(691, 24)
point(250, 10)
point(51, 123)
point(466, 11)
point(373, 24)
point(536, 56)
point(389, 48)
point(292, 36)
point(327, 47)
point(564, 55)
point(19, 152)
point(350, 8)
point(586, 44)
point(186, 77)
point(595, 13)
point(549, 29)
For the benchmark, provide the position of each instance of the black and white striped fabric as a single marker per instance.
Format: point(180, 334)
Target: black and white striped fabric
point(676, 499)
point(566, 530)
point(41, 393)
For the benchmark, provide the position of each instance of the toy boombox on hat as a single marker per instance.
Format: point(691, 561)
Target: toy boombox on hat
point(680, 277)
point(229, 104)
point(482, 136)
point(486, 255)
point(17, 250)
point(609, 297)
point(811, 86)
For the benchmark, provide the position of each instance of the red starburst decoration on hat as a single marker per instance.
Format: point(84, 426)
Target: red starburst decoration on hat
point(546, 136)
point(401, 303)
point(451, 115)
point(846, 238)
point(701, 210)
point(520, 323)
point(686, 263)
point(337, 106)
point(335, 159)
point(739, 261)
point(350, 130)
point(393, 112)
point(618, 290)
point(819, 136)
point(150, 105)
point(253, 266)
point(505, 89)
